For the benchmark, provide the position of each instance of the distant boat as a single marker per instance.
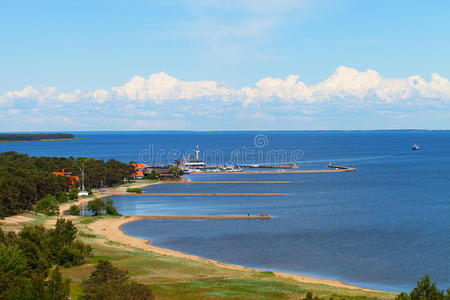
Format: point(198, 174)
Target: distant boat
point(415, 147)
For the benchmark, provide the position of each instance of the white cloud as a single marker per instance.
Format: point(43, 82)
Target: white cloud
point(346, 87)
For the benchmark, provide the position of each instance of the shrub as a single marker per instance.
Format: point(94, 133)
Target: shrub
point(134, 190)
point(108, 282)
point(96, 206)
point(63, 197)
point(48, 205)
point(74, 210)
point(152, 175)
point(110, 209)
point(73, 194)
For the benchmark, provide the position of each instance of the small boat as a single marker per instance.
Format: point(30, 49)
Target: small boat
point(415, 147)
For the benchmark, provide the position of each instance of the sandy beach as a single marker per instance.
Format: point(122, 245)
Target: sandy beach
point(110, 228)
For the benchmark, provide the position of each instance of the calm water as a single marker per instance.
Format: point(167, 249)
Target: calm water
point(384, 226)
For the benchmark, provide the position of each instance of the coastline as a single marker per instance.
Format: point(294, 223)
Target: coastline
point(45, 140)
point(111, 229)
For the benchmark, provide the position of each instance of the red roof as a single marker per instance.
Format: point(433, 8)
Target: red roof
point(62, 173)
point(139, 166)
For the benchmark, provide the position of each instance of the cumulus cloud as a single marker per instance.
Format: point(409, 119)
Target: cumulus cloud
point(346, 86)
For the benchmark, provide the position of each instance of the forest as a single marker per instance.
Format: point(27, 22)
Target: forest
point(24, 180)
point(32, 137)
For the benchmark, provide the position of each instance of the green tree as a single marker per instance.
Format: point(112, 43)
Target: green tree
point(175, 170)
point(57, 288)
point(73, 194)
point(110, 208)
point(74, 210)
point(153, 175)
point(425, 290)
point(63, 197)
point(108, 282)
point(96, 206)
point(48, 205)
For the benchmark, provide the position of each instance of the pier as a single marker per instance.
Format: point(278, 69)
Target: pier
point(270, 167)
point(330, 169)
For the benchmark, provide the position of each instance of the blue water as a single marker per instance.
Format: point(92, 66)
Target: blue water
point(383, 226)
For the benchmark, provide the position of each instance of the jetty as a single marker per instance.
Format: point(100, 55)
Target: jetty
point(269, 167)
point(204, 217)
point(330, 169)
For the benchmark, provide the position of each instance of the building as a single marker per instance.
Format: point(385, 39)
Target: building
point(138, 171)
point(73, 179)
point(162, 170)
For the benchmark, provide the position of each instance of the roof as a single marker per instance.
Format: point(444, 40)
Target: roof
point(139, 166)
point(62, 173)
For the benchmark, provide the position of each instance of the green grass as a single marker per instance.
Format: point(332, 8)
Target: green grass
point(134, 190)
point(87, 220)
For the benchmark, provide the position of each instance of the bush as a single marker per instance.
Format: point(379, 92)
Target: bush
point(96, 206)
point(108, 282)
point(134, 190)
point(63, 197)
point(152, 175)
point(110, 209)
point(74, 210)
point(73, 194)
point(48, 205)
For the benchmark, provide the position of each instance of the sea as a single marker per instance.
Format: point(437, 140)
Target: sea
point(383, 226)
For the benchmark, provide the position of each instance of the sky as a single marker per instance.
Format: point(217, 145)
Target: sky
point(224, 65)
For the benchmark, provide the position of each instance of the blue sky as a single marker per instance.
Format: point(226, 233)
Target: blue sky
point(224, 65)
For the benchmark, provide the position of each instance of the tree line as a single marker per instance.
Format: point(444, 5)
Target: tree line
point(16, 137)
point(24, 180)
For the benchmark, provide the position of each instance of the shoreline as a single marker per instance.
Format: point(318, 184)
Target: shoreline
point(44, 140)
point(112, 230)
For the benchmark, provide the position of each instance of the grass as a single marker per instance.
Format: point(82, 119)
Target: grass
point(134, 190)
point(179, 278)
point(144, 181)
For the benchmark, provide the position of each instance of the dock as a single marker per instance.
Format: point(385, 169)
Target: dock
point(204, 217)
point(330, 169)
point(270, 167)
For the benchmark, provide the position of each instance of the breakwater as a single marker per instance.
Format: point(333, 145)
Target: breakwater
point(330, 169)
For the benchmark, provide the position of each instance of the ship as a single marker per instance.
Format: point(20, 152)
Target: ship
point(192, 164)
point(197, 165)
point(415, 147)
